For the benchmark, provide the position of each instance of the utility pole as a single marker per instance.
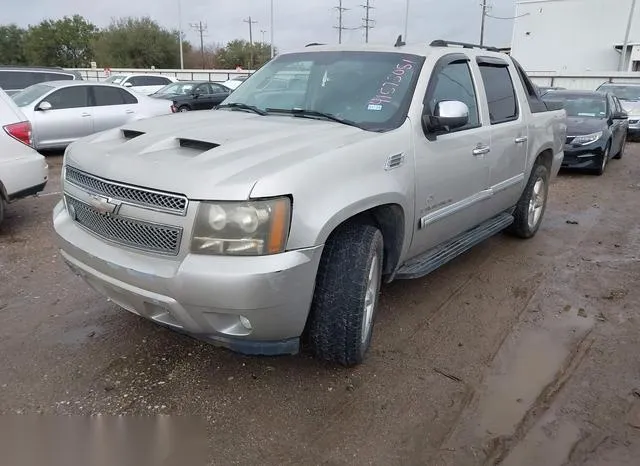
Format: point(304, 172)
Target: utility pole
point(340, 26)
point(201, 29)
point(623, 52)
point(406, 22)
point(484, 15)
point(368, 23)
point(180, 33)
point(263, 32)
point(251, 23)
point(272, 49)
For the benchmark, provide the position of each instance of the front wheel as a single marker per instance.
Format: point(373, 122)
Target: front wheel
point(346, 295)
point(184, 108)
point(605, 159)
point(532, 204)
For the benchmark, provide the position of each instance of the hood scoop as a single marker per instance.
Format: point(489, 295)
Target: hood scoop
point(202, 146)
point(131, 134)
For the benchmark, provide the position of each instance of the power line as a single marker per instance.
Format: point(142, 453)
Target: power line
point(201, 28)
point(367, 22)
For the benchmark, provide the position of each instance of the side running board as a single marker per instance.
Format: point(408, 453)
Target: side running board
point(443, 253)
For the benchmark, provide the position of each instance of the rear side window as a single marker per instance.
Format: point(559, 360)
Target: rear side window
point(454, 82)
point(104, 95)
point(21, 79)
point(69, 97)
point(149, 81)
point(501, 95)
point(536, 104)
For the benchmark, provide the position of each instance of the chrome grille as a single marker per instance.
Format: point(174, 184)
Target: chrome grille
point(137, 234)
point(171, 203)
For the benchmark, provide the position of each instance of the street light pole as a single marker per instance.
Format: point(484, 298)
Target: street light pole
point(406, 22)
point(272, 48)
point(623, 52)
point(484, 15)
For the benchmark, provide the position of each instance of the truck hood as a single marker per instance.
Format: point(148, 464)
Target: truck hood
point(215, 155)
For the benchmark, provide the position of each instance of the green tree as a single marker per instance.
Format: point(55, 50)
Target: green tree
point(138, 43)
point(241, 53)
point(12, 45)
point(66, 42)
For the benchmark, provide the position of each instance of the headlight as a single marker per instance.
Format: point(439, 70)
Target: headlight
point(252, 228)
point(587, 139)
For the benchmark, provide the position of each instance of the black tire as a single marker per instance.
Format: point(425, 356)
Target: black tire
point(2, 208)
point(620, 153)
point(184, 108)
point(521, 227)
point(605, 160)
point(335, 327)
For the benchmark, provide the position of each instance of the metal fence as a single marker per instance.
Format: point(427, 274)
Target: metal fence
point(588, 80)
point(99, 74)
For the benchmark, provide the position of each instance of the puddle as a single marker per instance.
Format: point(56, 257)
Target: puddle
point(79, 335)
point(526, 363)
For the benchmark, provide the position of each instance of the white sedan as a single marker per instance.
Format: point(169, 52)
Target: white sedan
point(142, 83)
point(62, 111)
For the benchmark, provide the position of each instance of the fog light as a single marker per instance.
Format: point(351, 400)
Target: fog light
point(245, 322)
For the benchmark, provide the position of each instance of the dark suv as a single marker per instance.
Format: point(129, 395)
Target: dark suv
point(16, 78)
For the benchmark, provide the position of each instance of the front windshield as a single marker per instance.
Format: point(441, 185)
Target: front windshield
point(115, 79)
point(372, 90)
point(622, 92)
point(580, 105)
point(181, 88)
point(30, 94)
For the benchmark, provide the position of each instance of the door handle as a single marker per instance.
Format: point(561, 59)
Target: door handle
point(522, 139)
point(131, 111)
point(85, 115)
point(481, 150)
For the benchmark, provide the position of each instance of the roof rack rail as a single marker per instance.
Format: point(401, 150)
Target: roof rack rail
point(448, 43)
point(312, 44)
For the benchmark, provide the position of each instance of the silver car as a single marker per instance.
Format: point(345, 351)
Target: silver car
point(64, 111)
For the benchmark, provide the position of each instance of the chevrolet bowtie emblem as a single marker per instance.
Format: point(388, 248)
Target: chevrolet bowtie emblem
point(104, 205)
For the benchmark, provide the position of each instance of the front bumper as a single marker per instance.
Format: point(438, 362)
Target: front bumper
point(253, 305)
point(589, 156)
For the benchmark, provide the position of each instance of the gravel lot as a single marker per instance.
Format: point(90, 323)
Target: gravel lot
point(518, 352)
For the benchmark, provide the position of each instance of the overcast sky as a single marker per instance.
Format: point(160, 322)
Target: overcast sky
point(297, 22)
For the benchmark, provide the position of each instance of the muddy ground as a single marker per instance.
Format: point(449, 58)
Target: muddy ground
point(517, 353)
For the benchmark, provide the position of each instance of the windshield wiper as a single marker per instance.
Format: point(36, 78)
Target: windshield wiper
point(241, 106)
point(300, 112)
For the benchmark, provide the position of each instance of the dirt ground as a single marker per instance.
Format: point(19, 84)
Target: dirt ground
point(517, 353)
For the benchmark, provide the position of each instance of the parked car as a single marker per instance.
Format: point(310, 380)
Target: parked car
point(193, 95)
point(544, 89)
point(234, 82)
point(23, 172)
point(63, 111)
point(279, 214)
point(141, 83)
point(629, 95)
point(15, 78)
point(596, 128)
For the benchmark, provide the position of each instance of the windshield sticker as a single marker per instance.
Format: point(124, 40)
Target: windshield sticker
point(374, 107)
point(392, 82)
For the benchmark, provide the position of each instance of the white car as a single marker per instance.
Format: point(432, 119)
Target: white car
point(63, 111)
point(23, 172)
point(235, 82)
point(142, 83)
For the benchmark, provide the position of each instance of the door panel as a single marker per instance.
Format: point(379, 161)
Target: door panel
point(111, 107)
point(70, 117)
point(451, 172)
point(509, 137)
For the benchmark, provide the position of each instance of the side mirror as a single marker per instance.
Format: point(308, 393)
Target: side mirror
point(44, 106)
point(619, 115)
point(127, 84)
point(448, 115)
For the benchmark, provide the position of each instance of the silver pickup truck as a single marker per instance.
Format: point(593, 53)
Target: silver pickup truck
point(274, 219)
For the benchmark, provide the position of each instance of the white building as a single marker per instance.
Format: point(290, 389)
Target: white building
point(575, 35)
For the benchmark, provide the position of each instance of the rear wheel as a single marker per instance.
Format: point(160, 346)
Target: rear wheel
point(183, 108)
point(532, 204)
point(346, 294)
point(2, 207)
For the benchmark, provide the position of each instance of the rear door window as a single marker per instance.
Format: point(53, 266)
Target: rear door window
point(104, 95)
point(501, 95)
